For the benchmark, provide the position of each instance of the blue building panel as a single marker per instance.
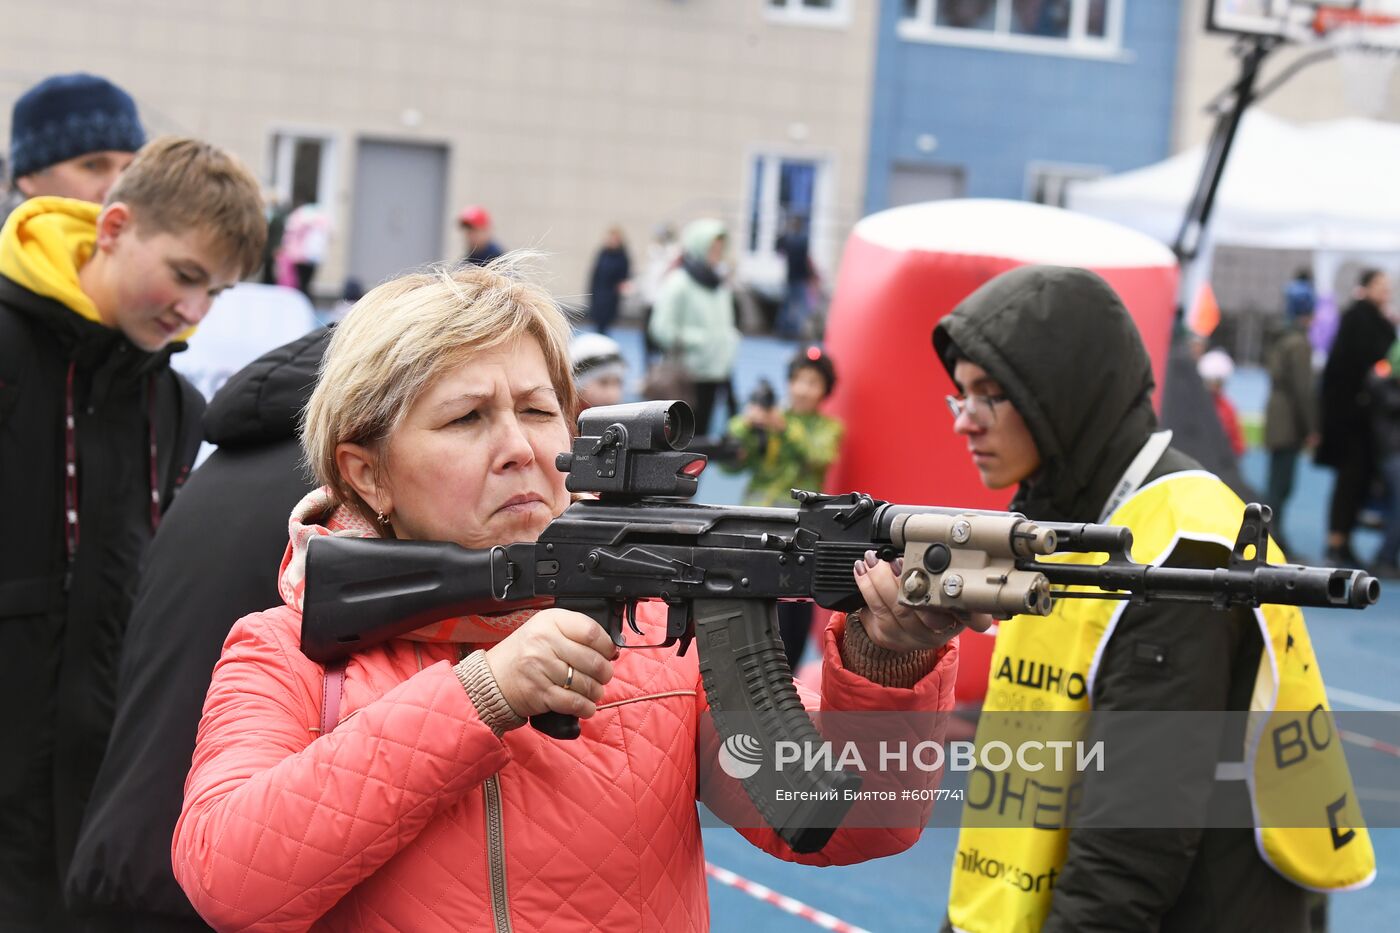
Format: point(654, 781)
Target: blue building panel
point(988, 113)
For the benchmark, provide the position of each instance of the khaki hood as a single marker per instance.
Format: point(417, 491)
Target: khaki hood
point(1070, 358)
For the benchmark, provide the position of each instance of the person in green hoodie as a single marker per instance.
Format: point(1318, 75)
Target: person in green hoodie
point(1192, 825)
point(96, 435)
point(694, 316)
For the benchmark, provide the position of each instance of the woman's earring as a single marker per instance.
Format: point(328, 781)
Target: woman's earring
point(383, 519)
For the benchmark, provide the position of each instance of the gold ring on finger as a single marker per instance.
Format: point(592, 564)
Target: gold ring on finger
point(569, 679)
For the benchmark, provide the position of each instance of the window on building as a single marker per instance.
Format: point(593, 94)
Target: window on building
point(822, 12)
point(1049, 183)
point(783, 188)
point(1068, 26)
point(301, 168)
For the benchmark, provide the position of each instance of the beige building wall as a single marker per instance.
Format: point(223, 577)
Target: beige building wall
point(560, 116)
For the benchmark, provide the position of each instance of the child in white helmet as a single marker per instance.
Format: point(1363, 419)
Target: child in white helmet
point(599, 369)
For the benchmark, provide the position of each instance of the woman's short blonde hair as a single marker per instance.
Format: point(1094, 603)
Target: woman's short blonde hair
point(405, 334)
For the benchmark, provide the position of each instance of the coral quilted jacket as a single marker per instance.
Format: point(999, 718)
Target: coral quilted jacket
point(386, 822)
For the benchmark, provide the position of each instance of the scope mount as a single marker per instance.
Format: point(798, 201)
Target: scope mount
point(636, 451)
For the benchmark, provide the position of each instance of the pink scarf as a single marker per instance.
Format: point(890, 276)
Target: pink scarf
point(317, 514)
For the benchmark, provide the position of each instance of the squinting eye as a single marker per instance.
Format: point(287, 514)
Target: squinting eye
point(468, 418)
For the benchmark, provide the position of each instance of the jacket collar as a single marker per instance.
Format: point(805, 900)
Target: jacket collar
point(89, 344)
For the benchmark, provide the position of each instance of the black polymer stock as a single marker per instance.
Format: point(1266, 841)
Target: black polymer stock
point(721, 570)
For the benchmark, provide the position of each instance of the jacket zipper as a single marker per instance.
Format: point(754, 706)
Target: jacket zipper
point(496, 854)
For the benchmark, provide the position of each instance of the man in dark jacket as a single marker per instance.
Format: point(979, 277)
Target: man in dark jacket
point(611, 271)
point(476, 227)
point(214, 560)
point(1383, 387)
point(1084, 448)
point(795, 247)
point(1290, 417)
point(1347, 444)
point(96, 435)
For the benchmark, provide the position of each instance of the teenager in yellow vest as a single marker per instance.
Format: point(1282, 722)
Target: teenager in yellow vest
point(1200, 822)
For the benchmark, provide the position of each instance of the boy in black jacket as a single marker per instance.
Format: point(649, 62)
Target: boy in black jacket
point(96, 434)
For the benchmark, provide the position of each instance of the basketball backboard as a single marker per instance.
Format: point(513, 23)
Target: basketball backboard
point(1363, 36)
point(1291, 20)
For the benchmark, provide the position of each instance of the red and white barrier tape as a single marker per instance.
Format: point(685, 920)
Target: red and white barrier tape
point(1365, 741)
point(781, 901)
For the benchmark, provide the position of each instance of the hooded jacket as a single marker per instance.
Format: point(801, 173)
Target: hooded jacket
point(412, 814)
point(1290, 416)
point(82, 504)
point(1069, 358)
point(214, 560)
point(694, 310)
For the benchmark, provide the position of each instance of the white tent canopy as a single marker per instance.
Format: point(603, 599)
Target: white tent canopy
point(1331, 187)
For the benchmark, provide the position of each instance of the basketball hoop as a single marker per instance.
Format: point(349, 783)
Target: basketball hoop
point(1366, 41)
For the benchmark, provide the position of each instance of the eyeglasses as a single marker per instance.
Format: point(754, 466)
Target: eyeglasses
point(981, 409)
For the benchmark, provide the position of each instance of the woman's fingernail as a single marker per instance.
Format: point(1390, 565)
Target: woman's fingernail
point(899, 566)
point(871, 560)
point(861, 568)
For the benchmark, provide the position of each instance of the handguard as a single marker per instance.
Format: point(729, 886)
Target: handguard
point(968, 563)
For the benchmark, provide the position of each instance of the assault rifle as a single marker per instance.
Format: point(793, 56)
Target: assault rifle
point(720, 570)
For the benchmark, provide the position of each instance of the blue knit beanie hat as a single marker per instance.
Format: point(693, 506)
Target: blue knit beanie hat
point(66, 116)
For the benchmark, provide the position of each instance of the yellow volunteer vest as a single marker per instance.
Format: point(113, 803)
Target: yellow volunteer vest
point(1013, 841)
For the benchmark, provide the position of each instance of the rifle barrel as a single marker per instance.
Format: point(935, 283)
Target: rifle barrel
point(1242, 586)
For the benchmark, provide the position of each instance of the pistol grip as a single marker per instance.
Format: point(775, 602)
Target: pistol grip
point(608, 613)
point(556, 725)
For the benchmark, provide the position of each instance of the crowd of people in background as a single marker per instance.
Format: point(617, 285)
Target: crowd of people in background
point(1342, 413)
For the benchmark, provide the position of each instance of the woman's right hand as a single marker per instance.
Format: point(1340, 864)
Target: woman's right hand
point(531, 664)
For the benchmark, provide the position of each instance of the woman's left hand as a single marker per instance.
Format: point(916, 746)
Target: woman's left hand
point(904, 628)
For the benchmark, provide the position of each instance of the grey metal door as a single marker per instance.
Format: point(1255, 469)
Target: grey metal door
point(399, 204)
point(915, 184)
